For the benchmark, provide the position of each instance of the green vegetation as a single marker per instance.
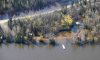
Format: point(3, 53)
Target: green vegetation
point(48, 25)
point(15, 6)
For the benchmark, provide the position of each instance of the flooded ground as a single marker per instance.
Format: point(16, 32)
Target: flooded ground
point(20, 52)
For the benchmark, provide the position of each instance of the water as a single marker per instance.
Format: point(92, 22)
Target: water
point(20, 52)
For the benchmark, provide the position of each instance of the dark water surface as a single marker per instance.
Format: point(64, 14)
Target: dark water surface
point(20, 52)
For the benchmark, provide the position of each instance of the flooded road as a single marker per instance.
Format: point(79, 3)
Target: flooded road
point(20, 52)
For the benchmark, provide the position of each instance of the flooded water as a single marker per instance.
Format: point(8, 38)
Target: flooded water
point(20, 52)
